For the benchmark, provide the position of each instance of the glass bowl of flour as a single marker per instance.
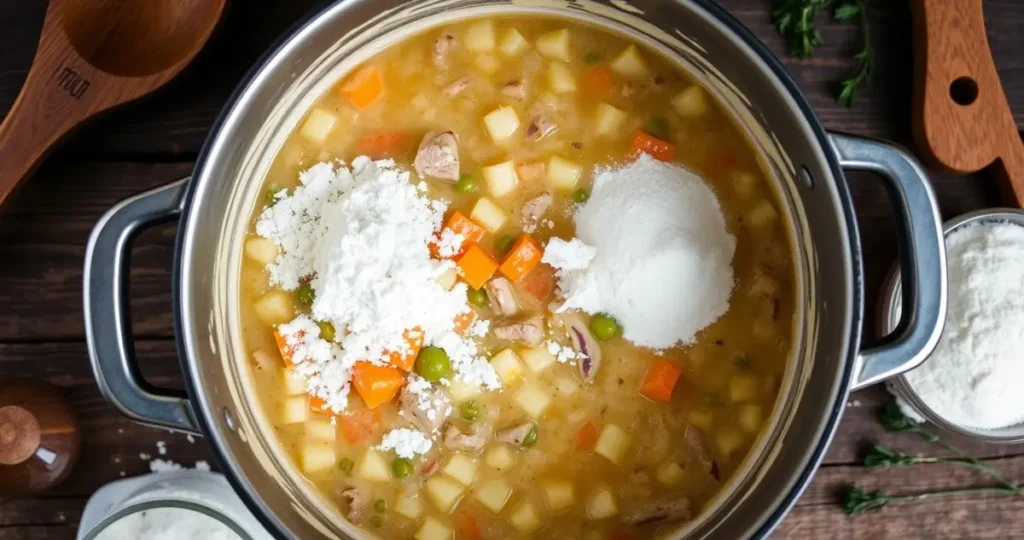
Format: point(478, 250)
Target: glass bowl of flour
point(973, 382)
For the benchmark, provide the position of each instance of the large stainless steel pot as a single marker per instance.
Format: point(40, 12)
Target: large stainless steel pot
point(805, 162)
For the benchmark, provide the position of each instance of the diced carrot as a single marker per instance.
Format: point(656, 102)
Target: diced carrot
point(598, 80)
point(404, 361)
point(318, 405)
point(463, 320)
point(286, 350)
point(357, 425)
point(382, 144)
point(586, 436)
point(475, 266)
point(376, 384)
point(524, 256)
point(460, 224)
point(660, 380)
point(364, 87)
point(649, 144)
point(468, 528)
point(539, 283)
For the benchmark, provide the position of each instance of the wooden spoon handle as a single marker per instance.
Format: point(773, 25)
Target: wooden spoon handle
point(962, 119)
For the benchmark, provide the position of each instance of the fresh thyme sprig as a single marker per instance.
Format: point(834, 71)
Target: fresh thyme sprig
point(794, 21)
point(857, 501)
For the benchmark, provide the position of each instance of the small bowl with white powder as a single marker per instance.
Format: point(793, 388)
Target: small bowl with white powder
point(973, 382)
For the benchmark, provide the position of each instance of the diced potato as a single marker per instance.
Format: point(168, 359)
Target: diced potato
point(743, 387)
point(487, 63)
point(501, 123)
point(744, 183)
point(561, 79)
point(602, 504)
point(554, 45)
point(318, 125)
point(630, 64)
point(317, 457)
point(608, 120)
point(447, 279)
point(533, 400)
point(691, 102)
point(294, 410)
point(559, 494)
point(508, 367)
point(763, 214)
point(321, 431)
point(612, 443)
point(524, 518)
point(501, 178)
point(275, 307)
point(462, 391)
point(513, 43)
point(750, 418)
point(562, 173)
point(493, 494)
point(728, 440)
point(373, 467)
point(294, 384)
point(434, 529)
point(701, 418)
point(488, 215)
point(566, 386)
point(537, 358)
point(670, 474)
point(462, 468)
point(500, 457)
point(261, 250)
point(443, 492)
point(408, 506)
point(480, 36)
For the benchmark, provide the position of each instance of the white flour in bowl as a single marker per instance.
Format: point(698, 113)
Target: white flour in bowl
point(652, 250)
point(167, 524)
point(975, 376)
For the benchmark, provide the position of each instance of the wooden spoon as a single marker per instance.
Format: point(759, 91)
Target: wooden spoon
point(963, 121)
point(94, 55)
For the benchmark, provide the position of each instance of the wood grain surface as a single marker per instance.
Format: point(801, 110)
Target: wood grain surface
point(44, 228)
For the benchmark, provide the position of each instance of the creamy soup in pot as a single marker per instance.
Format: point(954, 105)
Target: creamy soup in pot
point(509, 390)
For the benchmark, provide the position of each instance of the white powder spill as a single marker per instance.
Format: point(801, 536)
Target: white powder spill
point(407, 443)
point(652, 250)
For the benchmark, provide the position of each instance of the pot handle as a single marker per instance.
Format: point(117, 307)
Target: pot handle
point(922, 258)
point(107, 323)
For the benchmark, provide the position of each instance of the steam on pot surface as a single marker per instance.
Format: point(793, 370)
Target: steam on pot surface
point(517, 276)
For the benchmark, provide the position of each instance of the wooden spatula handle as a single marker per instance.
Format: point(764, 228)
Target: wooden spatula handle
point(963, 121)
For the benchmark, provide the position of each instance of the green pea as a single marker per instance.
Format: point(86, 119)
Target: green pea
point(432, 363)
point(531, 437)
point(580, 195)
point(326, 330)
point(477, 297)
point(305, 295)
point(380, 506)
point(741, 362)
point(592, 57)
point(466, 184)
point(604, 327)
point(470, 410)
point(377, 521)
point(345, 465)
point(504, 243)
point(658, 127)
point(401, 467)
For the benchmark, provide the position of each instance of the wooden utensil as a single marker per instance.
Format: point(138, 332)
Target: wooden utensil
point(94, 55)
point(963, 121)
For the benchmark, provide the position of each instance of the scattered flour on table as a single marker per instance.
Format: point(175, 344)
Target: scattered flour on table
point(975, 376)
point(361, 235)
point(166, 465)
point(651, 249)
point(167, 524)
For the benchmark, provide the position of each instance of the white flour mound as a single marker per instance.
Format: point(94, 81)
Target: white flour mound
point(975, 376)
point(652, 250)
point(167, 524)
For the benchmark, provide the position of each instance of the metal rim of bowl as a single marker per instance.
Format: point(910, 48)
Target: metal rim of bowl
point(888, 317)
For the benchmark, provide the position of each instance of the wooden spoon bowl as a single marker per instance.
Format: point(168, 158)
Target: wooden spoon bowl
point(95, 55)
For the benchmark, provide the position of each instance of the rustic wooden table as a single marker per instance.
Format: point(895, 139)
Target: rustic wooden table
point(43, 232)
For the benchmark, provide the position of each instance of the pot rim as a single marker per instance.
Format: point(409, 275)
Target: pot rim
point(855, 318)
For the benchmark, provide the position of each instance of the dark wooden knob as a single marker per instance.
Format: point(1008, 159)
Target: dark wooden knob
point(39, 437)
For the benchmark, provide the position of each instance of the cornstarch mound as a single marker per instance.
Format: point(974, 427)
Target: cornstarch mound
point(652, 250)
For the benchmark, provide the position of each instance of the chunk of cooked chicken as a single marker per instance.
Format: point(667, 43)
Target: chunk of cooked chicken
point(502, 296)
point(427, 409)
point(539, 128)
point(455, 439)
point(515, 89)
point(529, 332)
point(438, 156)
point(515, 435)
point(665, 510)
point(455, 88)
point(442, 46)
point(534, 208)
point(356, 500)
point(697, 442)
